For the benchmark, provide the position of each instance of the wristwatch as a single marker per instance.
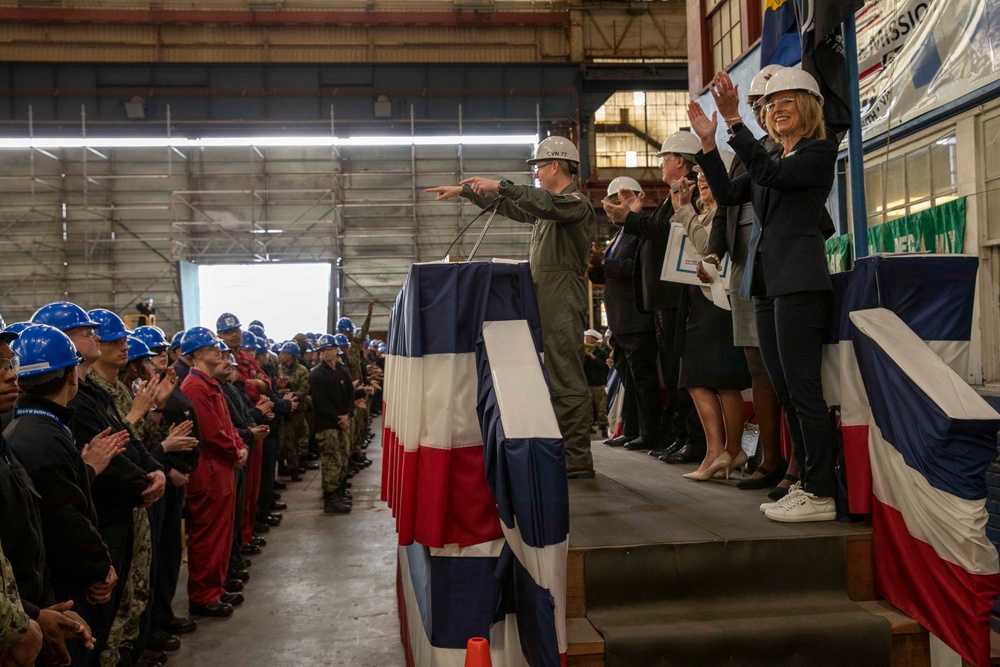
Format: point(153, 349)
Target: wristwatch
point(735, 128)
point(504, 184)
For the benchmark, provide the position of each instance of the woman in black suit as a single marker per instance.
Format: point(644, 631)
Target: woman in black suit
point(786, 272)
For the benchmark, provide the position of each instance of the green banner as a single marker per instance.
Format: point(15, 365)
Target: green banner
point(838, 253)
point(943, 227)
point(875, 239)
point(902, 234)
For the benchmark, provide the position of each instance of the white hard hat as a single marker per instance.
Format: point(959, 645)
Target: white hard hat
point(727, 159)
point(681, 143)
point(759, 83)
point(593, 332)
point(623, 183)
point(555, 148)
point(792, 78)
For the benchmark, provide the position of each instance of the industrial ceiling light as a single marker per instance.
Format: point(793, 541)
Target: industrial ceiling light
point(136, 108)
point(48, 143)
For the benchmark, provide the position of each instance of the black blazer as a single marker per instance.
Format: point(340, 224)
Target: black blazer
point(618, 275)
point(653, 231)
point(789, 198)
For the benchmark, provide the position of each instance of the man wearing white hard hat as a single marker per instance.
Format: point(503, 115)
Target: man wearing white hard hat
point(564, 225)
point(634, 329)
point(684, 441)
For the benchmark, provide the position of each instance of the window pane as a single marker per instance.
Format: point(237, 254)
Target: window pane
point(717, 26)
point(895, 184)
point(734, 12)
point(873, 190)
point(737, 40)
point(944, 170)
point(726, 54)
point(717, 57)
point(991, 136)
point(992, 206)
point(918, 174)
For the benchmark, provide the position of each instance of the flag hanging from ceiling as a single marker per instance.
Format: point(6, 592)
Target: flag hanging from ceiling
point(474, 469)
point(822, 41)
point(931, 440)
point(779, 39)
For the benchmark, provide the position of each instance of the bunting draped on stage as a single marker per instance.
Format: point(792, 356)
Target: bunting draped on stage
point(473, 468)
point(931, 439)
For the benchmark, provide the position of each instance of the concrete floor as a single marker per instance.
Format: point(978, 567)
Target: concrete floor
point(323, 592)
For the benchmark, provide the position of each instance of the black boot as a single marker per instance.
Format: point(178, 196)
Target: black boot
point(332, 504)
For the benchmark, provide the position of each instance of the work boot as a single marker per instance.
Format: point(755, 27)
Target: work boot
point(332, 504)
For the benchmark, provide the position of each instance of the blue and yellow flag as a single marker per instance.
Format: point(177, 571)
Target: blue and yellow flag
point(779, 40)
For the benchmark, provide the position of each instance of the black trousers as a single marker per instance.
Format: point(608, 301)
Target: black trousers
point(630, 406)
point(156, 516)
point(236, 554)
point(118, 535)
point(269, 457)
point(168, 557)
point(642, 381)
point(790, 329)
point(679, 416)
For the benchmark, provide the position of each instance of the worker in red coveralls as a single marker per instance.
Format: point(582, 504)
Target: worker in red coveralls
point(257, 386)
point(211, 488)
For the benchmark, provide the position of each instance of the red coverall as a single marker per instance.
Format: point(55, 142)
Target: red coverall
point(211, 490)
point(249, 369)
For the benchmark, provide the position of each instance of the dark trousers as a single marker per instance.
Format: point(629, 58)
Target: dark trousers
point(680, 418)
point(630, 405)
point(168, 557)
point(156, 515)
point(118, 536)
point(790, 329)
point(269, 457)
point(641, 379)
point(235, 554)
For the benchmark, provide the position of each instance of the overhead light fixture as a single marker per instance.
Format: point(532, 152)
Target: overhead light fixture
point(47, 143)
point(135, 109)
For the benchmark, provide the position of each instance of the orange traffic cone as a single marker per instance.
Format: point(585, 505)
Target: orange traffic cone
point(477, 653)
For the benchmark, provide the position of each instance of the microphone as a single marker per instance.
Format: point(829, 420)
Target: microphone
point(492, 206)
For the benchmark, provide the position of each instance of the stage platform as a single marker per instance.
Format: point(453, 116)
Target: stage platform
point(644, 543)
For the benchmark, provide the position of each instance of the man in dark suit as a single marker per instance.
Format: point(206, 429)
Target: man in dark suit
point(634, 330)
point(685, 440)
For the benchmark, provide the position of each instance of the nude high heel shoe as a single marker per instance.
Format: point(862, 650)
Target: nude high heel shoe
point(722, 463)
point(740, 459)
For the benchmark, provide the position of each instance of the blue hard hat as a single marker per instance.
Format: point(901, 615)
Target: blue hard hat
point(291, 347)
point(223, 346)
point(309, 347)
point(110, 326)
point(6, 336)
point(262, 346)
point(257, 330)
point(345, 324)
point(257, 323)
point(64, 316)
point(325, 341)
point(382, 348)
point(196, 338)
point(232, 359)
point(175, 342)
point(274, 347)
point(16, 328)
point(41, 349)
point(227, 321)
point(341, 340)
point(249, 340)
point(137, 349)
point(153, 337)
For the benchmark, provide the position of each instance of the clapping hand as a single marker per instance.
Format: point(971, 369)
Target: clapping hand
point(104, 447)
point(166, 387)
point(682, 196)
point(703, 126)
point(726, 95)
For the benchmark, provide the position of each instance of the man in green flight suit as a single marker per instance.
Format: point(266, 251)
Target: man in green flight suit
point(565, 223)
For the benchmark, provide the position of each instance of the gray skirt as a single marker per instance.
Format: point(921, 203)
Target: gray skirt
point(744, 321)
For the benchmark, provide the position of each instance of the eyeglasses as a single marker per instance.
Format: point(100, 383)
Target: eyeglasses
point(783, 103)
point(12, 363)
point(538, 165)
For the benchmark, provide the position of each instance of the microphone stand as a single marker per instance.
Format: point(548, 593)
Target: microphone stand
point(493, 206)
point(482, 234)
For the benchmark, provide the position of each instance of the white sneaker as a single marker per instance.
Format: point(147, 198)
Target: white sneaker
point(794, 489)
point(803, 507)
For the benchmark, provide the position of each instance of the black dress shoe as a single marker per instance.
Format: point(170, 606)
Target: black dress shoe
point(233, 585)
point(250, 550)
point(180, 626)
point(259, 541)
point(275, 496)
point(273, 520)
point(261, 527)
point(163, 641)
point(216, 609)
point(638, 443)
point(769, 480)
point(296, 476)
point(310, 465)
point(242, 563)
point(671, 447)
point(619, 441)
point(689, 453)
point(150, 658)
point(232, 599)
point(278, 506)
point(238, 574)
point(279, 486)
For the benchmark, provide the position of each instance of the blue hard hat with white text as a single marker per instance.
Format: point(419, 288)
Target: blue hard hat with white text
point(227, 321)
point(345, 324)
point(110, 326)
point(64, 316)
point(325, 341)
point(41, 348)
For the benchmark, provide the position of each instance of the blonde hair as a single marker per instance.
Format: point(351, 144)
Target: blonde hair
point(810, 116)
